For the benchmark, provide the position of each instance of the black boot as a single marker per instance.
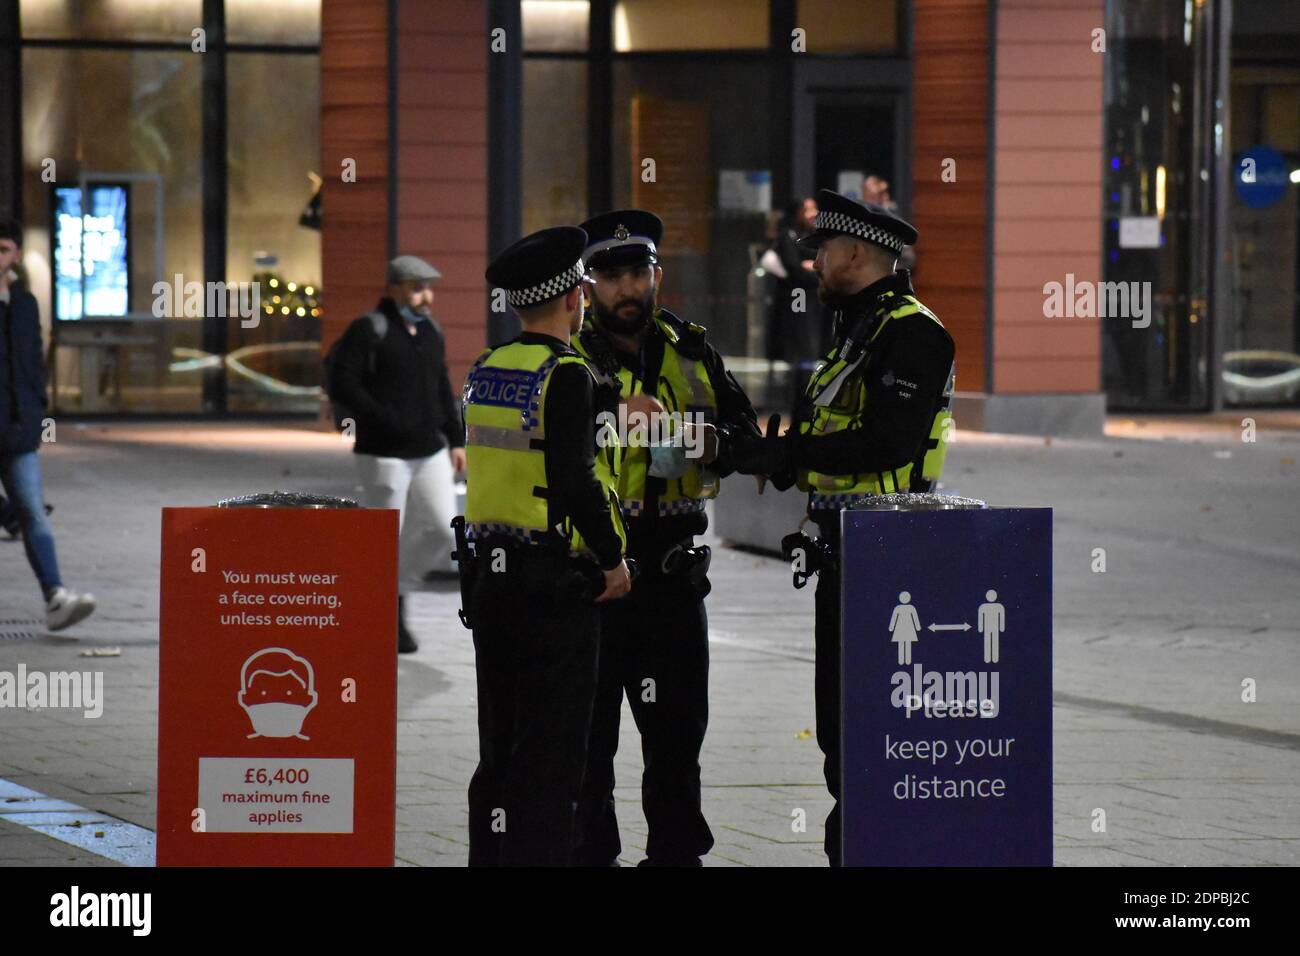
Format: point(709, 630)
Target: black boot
point(405, 641)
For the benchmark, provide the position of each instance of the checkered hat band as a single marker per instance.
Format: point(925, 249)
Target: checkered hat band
point(549, 289)
point(856, 227)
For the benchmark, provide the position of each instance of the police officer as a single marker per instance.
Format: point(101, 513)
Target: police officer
point(654, 645)
point(874, 418)
point(548, 537)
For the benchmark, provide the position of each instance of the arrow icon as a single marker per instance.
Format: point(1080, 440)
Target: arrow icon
point(948, 627)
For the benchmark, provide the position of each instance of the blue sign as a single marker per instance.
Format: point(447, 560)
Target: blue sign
point(503, 387)
point(947, 688)
point(1261, 177)
point(91, 248)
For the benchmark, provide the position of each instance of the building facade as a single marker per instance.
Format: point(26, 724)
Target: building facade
point(1105, 189)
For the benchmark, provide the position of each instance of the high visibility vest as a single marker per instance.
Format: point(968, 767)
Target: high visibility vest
point(504, 402)
point(836, 399)
point(682, 385)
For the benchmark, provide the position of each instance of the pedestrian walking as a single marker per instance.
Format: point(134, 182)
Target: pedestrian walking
point(23, 410)
point(388, 373)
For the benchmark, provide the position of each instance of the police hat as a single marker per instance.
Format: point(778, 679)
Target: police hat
point(622, 237)
point(841, 216)
point(540, 267)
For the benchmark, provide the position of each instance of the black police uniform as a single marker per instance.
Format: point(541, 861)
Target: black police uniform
point(661, 630)
point(906, 378)
point(535, 628)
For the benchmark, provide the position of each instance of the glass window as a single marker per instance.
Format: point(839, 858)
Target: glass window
point(151, 20)
point(849, 26)
point(648, 25)
point(274, 150)
point(285, 22)
point(706, 128)
point(555, 143)
point(132, 117)
point(556, 25)
point(1261, 361)
point(1155, 230)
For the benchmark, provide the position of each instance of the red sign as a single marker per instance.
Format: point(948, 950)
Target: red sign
point(277, 709)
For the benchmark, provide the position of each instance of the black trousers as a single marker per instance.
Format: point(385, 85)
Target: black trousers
point(654, 646)
point(536, 665)
point(826, 680)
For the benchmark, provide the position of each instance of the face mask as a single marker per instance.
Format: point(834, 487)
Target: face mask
point(668, 461)
point(411, 315)
point(278, 719)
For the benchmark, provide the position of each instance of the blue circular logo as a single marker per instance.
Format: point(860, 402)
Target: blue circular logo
point(1261, 177)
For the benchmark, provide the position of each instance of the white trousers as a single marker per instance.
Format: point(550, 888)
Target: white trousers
point(423, 492)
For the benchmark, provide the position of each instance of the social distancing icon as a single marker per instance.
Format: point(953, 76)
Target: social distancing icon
point(905, 626)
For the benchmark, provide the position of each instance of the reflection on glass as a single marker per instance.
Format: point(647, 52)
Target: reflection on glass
point(287, 22)
point(1261, 362)
point(555, 174)
point(129, 113)
point(647, 25)
point(556, 25)
point(1152, 234)
point(274, 150)
point(152, 20)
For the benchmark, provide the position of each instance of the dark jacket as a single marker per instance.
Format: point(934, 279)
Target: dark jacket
point(906, 373)
point(796, 336)
point(735, 417)
point(398, 387)
point(23, 402)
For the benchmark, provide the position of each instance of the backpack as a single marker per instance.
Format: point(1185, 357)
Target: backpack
point(339, 412)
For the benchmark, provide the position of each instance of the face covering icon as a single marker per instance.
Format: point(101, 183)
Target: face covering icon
point(277, 692)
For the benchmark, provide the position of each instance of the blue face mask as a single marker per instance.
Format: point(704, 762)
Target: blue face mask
point(411, 315)
point(668, 461)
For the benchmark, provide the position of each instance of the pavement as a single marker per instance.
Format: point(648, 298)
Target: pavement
point(1200, 532)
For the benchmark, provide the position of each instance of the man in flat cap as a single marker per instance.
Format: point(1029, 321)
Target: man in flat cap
point(874, 419)
point(388, 374)
point(655, 645)
point(548, 539)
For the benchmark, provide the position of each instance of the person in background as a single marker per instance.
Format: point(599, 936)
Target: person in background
point(876, 190)
point(391, 373)
point(797, 331)
point(23, 406)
